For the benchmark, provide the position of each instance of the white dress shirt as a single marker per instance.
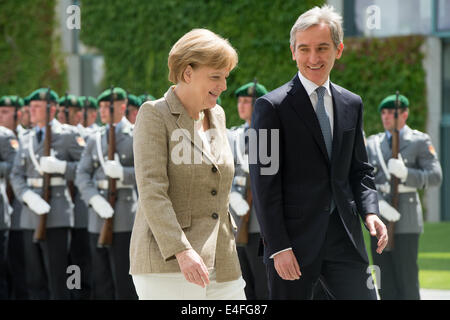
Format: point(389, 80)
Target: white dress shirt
point(310, 88)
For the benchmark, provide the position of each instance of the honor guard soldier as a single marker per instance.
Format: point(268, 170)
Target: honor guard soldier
point(47, 158)
point(70, 112)
point(133, 105)
point(107, 183)
point(417, 167)
point(248, 233)
point(9, 117)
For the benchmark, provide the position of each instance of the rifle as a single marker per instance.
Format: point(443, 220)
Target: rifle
point(106, 234)
point(242, 233)
point(85, 107)
point(70, 184)
point(40, 231)
point(394, 180)
point(66, 110)
point(127, 111)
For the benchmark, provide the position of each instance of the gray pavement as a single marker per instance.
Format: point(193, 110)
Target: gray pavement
point(432, 294)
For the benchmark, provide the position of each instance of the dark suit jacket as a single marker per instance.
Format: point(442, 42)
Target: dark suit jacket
point(293, 205)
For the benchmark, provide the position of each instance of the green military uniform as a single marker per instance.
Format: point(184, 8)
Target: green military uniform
point(46, 261)
point(111, 279)
point(253, 269)
point(399, 270)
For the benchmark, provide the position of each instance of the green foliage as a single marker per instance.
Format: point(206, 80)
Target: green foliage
point(375, 68)
point(136, 36)
point(29, 58)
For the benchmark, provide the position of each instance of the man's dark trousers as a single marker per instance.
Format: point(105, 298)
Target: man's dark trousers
point(339, 267)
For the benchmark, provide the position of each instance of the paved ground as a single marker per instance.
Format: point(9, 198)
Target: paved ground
point(431, 294)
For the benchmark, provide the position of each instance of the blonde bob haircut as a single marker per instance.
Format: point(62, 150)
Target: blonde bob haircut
point(200, 47)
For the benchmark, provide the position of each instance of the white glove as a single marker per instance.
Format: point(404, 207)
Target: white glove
point(388, 212)
point(239, 205)
point(53, 165)
point(114, 169)
point(35, 202)
point(101, 206)
point(398, 168)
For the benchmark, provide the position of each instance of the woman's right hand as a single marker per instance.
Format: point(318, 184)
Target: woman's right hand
point(193, 267)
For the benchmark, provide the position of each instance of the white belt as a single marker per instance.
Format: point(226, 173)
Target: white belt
point(104, 184)
point(386, 188)
point(38, 182)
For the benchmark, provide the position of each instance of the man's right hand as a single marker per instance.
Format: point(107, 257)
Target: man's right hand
point(286, 265)
point(193, 267)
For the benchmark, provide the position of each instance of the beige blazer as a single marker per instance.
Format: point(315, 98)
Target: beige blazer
point(183, 197)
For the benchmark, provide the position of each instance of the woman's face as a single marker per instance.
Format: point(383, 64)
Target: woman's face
point(207, 84)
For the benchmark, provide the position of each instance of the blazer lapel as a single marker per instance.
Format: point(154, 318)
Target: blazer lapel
point(301, 104)
point(184, 121)
point(340, 114)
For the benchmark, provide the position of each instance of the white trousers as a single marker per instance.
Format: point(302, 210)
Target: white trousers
point(173, 286)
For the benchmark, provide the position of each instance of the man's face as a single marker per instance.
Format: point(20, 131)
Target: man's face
point(75, 115)
point(315, 53)
point(132, 114)
point(245, 108)
point(7, 117)
point(388, 119)
point(91, 116)
point(119, 111)
point(62, 114)
point(38, 112)
point(24, 116)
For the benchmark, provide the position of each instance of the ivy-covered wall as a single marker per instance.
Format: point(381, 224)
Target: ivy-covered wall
point(375, 68)
point(29, 57)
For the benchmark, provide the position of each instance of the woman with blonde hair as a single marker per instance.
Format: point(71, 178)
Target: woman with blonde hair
point(182, 244)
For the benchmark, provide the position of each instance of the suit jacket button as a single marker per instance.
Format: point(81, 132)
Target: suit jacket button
point(213, 192)
point(215, 215)
point(214, 169)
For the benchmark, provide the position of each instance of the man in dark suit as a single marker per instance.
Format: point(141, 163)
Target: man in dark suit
point(309, 208)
